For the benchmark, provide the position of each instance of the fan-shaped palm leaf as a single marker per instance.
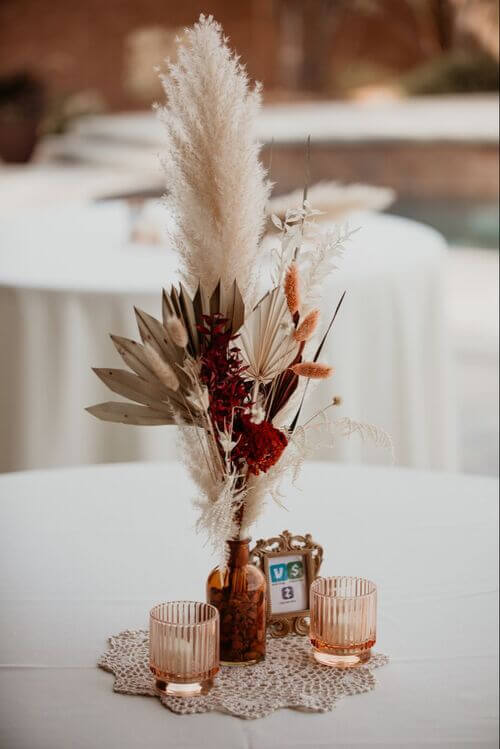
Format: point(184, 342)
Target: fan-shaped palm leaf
point(265, 340)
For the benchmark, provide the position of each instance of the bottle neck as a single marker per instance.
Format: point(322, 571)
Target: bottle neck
point(239, 553)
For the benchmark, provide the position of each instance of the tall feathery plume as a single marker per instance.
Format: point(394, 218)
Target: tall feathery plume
point(217, 187)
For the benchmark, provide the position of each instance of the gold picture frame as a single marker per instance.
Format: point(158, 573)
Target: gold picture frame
point(284, 546)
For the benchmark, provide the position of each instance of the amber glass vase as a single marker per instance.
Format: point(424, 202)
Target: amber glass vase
point(239, 594)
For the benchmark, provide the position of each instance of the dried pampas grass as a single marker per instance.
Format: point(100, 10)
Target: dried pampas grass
point(217, 187)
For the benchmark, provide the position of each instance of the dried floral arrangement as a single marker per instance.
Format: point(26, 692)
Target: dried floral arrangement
point(231, 371)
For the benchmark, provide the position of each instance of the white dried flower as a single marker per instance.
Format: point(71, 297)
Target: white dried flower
point(257, 413)
point(199, 399)
point(226, 441)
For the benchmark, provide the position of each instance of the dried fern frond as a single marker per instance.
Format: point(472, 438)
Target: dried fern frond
point(345, 427)
point(217, 187)
point(320, 260)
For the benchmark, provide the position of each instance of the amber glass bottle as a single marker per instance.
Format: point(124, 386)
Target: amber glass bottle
point(240, 596)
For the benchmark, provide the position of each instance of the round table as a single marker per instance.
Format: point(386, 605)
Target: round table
point(69, 276)
point(85, 552)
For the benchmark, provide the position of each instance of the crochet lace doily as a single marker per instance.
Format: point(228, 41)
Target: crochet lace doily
point(288, 677)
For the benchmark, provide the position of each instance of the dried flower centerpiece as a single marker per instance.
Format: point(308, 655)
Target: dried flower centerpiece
point(229, 371)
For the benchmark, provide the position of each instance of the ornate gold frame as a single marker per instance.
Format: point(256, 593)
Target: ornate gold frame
point(280, 625)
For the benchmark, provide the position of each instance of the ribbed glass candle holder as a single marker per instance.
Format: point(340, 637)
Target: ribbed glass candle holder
point(343, 620)
point(183, 646)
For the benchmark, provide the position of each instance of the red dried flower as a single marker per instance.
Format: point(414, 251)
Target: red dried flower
point(222, 371)
point(260, 445)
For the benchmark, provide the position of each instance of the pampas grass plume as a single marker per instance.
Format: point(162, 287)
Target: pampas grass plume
point(177, 332)
point(313, 370)
point(307, 326)
point(217, 187)
point(162, 370)
point(292, 288)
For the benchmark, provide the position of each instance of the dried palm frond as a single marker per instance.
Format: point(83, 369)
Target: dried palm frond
point(129, 413)
point(345, 427)
point(217, 187)
point(265, 341)
point(161, 396)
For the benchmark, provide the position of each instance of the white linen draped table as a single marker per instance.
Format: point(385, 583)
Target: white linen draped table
point(86, 552)
point(69, 276)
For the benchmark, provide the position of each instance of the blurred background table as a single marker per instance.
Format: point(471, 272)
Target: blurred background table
point(70, 275)
point(86, 552)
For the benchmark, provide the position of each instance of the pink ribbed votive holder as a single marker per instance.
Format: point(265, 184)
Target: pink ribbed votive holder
point(184, 647)
point(343, 620)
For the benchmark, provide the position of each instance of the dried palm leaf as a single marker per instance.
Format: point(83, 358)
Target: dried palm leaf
point(134, 356)
point(145, 386)
point(129, 413)
point(133, 387)
point(265, 341)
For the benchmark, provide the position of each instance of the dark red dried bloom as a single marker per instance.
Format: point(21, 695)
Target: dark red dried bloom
point(260, 445)
point(222, 372)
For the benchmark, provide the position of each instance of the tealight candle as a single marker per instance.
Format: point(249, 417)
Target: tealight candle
point(183, 646)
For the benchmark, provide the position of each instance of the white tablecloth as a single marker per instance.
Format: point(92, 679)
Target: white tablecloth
point(84, 553)
point(68, 276)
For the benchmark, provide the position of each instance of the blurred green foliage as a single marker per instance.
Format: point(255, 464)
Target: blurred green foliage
point(456, 72)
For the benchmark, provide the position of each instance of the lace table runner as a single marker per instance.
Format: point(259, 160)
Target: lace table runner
point(288, 677)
